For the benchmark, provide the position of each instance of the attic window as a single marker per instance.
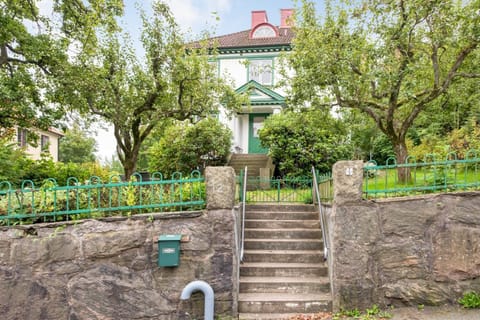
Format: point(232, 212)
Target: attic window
point(264, 31)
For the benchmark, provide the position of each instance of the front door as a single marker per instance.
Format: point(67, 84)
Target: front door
point(256, 123)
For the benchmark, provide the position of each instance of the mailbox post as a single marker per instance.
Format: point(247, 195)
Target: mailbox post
point(169, 250)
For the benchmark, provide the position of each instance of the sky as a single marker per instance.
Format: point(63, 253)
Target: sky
point(193, 16)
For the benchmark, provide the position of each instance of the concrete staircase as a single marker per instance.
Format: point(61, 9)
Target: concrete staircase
point(283, 272)
point(238, 161)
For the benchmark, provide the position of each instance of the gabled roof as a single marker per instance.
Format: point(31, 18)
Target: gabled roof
point(240, 42)
point(242, 39)
point(261, 95)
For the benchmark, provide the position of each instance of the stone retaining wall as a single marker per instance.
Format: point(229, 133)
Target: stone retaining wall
point(405, 251)
point(108, 269)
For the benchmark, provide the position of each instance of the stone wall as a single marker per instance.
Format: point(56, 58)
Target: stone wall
point(404, 251)
point(108, 269)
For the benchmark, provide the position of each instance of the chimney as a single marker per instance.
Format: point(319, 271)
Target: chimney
point(259, 17)
point(286, 16)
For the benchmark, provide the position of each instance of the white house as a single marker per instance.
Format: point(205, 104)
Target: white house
point(251, 58)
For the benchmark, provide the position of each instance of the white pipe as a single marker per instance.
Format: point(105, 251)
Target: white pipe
point(207, 290)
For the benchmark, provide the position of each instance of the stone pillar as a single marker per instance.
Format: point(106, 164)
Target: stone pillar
point(348, 179)
point(353, 228)
point(220, 187)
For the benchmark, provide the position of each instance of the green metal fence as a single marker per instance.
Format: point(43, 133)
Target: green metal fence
point(95, 198)
point(279, 190)
point(325, 187)
point(426, 176)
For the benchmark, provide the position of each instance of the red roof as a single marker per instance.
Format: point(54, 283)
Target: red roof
point(242, 39)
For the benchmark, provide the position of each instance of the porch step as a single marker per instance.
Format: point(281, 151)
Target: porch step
point(283, 233)
point(280, 207)
point(254, 162)
point(280, 215)
point(283, 303)
point(284, 256)
point(272, 316)
point(276, 224)
point(283, 272)
point(284, 284)
point(269, 269)
point(283, 244)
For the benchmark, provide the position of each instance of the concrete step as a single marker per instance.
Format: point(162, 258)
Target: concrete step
point(283, 244)
point(283, 256)
point(273, 316)
point(283, 233)
point(269, 269)
point(284, 285)
point(281, 215)
point(277, 224)
point(283, 303)
point(280, 207)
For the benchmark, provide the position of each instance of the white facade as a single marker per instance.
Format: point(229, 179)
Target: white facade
point(251, 59)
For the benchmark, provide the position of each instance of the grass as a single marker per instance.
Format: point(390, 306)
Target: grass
point(426, 179)
point(470, 300)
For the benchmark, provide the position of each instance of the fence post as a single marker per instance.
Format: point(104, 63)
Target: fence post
point(348, 180)
point(220, 187)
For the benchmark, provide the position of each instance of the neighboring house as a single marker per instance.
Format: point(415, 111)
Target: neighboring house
point(48, 141)
point(251, 58)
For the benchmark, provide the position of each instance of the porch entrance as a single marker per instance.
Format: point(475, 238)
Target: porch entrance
point(256, 123)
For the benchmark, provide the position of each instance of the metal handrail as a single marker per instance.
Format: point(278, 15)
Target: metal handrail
point(244, 195)
point(322, 215)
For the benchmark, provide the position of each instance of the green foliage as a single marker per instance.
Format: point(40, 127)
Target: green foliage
point(33, 53)
point(392, 60)
point(13, 161)
point(138, 94)
point(470, 300)
point(298, 140)
point(76, 147)
point(186, 146)
point(372, 313)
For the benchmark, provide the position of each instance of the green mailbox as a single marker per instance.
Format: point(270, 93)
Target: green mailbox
point(169, 250)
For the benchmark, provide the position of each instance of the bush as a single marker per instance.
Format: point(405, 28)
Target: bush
point(186, 147)
point(298, 140)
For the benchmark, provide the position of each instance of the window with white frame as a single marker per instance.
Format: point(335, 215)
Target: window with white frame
point(261, 71)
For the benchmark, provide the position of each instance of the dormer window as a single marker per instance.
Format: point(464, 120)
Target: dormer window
point(265, 31)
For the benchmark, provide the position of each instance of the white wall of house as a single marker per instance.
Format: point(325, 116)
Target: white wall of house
point(235, 68)
point(48, 141)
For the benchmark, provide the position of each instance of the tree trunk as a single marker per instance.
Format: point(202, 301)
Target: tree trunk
point(401, 153)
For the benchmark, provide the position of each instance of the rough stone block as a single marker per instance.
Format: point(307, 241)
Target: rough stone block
point(356, 223)
point(348, 179)
point(407, 218)
point(220, 187)
point(415, 292)
point(405, 260)
point(456, 253)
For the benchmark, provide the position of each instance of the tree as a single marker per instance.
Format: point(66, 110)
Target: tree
point(299, 140)
point(137, 96)
point(390, 59)
point(185, 147)
point(77, 147)
point(33, 53)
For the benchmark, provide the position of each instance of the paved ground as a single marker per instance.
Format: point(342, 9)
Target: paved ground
point(436, 313)
point(427, 313)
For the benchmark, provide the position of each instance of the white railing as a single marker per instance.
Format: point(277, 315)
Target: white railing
point(322, 216)
point(243, 198)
